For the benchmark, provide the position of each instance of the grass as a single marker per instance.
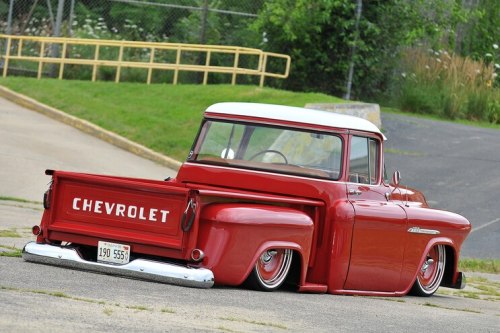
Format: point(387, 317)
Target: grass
point(139, 308)
point(12, 233)
point(3, 198)
point(13, 253)
point(225, 329)
point(255, 322)
point(162, 117)
point(447, 308)
point(107, 311)
point(480, 265)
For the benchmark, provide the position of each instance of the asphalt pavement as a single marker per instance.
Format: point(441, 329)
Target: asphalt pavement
point(457, 167)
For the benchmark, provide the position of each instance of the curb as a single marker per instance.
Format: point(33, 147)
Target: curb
point(89, 128)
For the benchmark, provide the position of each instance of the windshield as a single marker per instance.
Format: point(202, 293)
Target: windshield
point(275, 149)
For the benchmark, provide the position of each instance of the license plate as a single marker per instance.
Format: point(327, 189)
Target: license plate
point(113, 253)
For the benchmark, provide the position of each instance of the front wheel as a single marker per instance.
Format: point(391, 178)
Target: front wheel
point(271, 270)
point(431, 273)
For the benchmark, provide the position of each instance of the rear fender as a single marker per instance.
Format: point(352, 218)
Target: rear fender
point(234, 235)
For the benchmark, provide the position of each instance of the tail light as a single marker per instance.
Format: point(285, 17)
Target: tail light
point(36, 230)
point(197, 255)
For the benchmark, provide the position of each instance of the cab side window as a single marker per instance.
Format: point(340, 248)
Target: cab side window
point(364, 160)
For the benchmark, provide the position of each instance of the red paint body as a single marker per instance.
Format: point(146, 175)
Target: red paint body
point(344, 243)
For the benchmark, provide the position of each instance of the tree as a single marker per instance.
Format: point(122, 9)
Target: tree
point(319, 34)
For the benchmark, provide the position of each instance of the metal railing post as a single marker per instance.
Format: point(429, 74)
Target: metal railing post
point(63, 55)
point(235, 66)
point(151, 61)
point(207, 63)
point(177, 62)
point(119, 68)
point(263, 70)
point(19, 47)
point(94, 67)
point(40, 62)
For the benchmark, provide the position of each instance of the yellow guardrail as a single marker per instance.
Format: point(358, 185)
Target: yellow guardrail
point(63, 52)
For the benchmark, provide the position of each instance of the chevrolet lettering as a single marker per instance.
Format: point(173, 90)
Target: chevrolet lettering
point(268, 196)
point(118, 209)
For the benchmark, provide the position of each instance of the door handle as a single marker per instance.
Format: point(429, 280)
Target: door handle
point(354, 192)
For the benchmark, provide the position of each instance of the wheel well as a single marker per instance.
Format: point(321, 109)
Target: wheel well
point(449, 269)
point(293, 279)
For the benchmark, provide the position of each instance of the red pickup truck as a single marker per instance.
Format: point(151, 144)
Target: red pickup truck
point(268, 195)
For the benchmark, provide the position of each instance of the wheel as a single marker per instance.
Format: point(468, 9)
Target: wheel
point(269, 151)
point(271, 270)
point(431, 273)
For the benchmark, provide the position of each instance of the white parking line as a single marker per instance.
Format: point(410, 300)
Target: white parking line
point(485, 225)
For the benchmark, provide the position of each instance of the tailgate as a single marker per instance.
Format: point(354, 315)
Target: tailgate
point(140, 213)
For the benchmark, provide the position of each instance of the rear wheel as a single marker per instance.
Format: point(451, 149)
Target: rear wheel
point(431, 273)
point(270, 270)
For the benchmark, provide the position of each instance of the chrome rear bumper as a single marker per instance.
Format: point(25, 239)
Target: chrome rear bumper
point(138, 268)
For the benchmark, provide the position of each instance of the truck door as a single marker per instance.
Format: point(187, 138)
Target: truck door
point(379, 233)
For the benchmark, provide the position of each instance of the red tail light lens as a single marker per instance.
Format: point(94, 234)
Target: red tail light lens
point(36, 230)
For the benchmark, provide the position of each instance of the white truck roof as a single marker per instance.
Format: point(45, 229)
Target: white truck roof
point(294, 114)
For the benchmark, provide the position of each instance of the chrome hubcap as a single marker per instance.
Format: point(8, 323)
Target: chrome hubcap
point(427, 263)
point(268, 256)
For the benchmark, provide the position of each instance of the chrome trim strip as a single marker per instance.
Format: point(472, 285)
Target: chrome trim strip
point(138, 268)
point(418, 230)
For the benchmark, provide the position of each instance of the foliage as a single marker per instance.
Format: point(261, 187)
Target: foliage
point(481, 32)
point(149, 114)
point(218, 29)
point(447, 85)
point(319, 34)
point(304, 29)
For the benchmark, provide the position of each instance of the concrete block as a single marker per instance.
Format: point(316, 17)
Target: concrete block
point(370, 112)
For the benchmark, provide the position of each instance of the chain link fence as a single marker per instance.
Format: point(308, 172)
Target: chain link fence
point(221, 22)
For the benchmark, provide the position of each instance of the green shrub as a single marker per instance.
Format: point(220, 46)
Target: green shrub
point(420, 99)
point(494, 107)
point(447, 85)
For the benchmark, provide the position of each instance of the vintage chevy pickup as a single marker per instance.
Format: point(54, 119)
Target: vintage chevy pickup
point(268, 195)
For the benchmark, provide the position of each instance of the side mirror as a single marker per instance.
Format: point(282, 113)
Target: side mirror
point(396, 178)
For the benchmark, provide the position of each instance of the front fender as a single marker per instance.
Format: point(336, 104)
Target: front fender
point(233, 236)
point(452, 230)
